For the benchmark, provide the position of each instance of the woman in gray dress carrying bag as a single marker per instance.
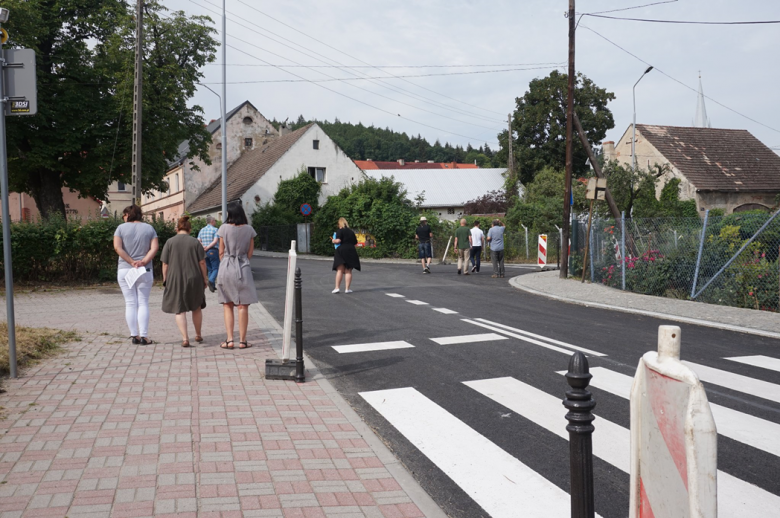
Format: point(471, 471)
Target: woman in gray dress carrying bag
point(235, 284)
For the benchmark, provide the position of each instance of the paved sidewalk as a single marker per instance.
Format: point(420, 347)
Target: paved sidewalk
point(548, 284)
point(112, 429)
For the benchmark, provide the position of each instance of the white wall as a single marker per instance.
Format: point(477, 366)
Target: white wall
point(341, 171)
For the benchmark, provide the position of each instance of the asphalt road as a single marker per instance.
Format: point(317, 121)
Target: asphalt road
point(438, 371)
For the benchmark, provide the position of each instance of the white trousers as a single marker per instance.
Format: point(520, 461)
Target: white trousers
point(136, 301)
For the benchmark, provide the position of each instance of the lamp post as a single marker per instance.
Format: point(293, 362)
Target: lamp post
point(224, 153)
point(633, 136)
point(223, 109)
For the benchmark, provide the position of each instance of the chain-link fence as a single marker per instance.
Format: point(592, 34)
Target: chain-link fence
point(519, 247)
point(730, 260)
point(275, 238)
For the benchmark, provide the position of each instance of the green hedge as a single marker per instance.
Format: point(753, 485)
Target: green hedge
point(58, 250)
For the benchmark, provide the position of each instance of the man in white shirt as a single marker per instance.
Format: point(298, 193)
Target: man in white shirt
point(476, 239)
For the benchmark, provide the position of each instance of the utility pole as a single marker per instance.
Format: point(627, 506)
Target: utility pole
point(223, 109)
point(510, 163)
point(138, 101)
point(569, 149)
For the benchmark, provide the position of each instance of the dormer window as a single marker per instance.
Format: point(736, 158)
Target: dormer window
point(315, 144)
point(248, 120)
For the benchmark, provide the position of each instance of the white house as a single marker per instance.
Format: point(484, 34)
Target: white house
point(255, 176)
point(445, 191)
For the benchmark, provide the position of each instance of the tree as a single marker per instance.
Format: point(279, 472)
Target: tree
point(494, 202)
point(81, 136)
point(539, 123)
point(286, 205)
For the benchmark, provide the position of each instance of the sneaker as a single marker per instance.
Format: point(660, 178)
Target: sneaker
point(427, 269)
point(494, 276)
point(458, 272)
point(473, 269)
point(212, 287)
point(335, 290)
point(347, 291)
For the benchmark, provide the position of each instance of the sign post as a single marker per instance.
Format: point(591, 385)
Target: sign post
point(19, 96)
point(288, 303)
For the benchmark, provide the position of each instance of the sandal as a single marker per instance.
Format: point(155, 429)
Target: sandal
point(185, 343)
point(134, 340)
point(224, 345)
point(145, 341)
point(199, 339)
point(244, 345)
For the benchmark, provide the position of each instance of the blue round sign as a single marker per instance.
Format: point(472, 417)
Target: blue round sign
point(306, 209)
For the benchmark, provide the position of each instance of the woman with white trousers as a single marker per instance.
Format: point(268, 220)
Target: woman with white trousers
point(136, 244)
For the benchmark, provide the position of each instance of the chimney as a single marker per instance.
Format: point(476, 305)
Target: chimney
point(401, 162)
point(608, 148)
point(430, 161)
point(416, 161)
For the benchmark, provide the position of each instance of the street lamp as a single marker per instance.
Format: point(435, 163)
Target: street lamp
point(223, 109)
point(224, 150)
point(633, 136)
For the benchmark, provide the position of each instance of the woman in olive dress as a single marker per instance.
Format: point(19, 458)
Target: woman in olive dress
point(345, 258)
point(185, 279)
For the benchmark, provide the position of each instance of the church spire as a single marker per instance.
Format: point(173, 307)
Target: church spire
point(701, 120)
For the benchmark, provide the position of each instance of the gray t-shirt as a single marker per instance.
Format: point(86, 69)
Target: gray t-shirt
point(496, 235)
point(136, 240)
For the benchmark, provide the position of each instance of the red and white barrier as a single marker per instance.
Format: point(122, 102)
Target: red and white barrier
point(542, 261)
point(674, 442)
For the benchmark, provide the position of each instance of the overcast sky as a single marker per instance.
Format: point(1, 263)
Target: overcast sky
point(738, 64)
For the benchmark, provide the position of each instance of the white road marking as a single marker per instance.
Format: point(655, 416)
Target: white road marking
point(765, 362)
point(612, 443)
point(376, 346)
point(395, 295)
point(445, 311)
point(468, 339)
point(745, 428)
point(519, 337)
point(417, 302)
point(540, 337)
point(498, 482)
point(729, 380)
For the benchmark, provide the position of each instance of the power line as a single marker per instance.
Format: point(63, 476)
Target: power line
point(758, 22)
point(364, 62)
point(678, 81)
point(390, 66)
point(635, 7)
point(368, 78)
point(389, 87)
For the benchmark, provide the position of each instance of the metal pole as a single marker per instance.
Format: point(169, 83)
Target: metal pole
point(9, 273)
point(623, 250)
point(587, 245)
point(592, 270)
point(138, 87)
point(223, 109)
point(526, 240)
point(701, 249)
point(564, 254)
point(300, 376)
point(633, 127)
point(580, 405)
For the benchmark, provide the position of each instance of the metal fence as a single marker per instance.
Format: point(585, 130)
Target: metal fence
point(275, 238)
point(730, 260)
point(519, 247)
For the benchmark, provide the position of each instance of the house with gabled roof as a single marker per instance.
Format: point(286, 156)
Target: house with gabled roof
point(719, 168)
point(254, 177)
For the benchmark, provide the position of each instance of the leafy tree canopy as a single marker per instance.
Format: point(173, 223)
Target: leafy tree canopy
point(635, 192)
point(539, 125)
point(81, 137)
point(285, 207)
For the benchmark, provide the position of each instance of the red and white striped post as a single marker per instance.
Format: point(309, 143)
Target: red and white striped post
point(674, 442)
point(542, 261)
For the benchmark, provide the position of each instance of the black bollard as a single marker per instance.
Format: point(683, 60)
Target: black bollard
point(580, 405)
point(300, 377)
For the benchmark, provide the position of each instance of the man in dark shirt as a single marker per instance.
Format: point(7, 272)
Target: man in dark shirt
point(423, 234)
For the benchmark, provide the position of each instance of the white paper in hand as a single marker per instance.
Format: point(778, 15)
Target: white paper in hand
point(134, 274)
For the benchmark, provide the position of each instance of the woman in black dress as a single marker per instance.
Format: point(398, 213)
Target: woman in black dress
point(345, 259)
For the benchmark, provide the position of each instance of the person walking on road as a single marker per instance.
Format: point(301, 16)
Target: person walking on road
point(495, 237)
point(185, 279)
point(210, 242)
point(462, 246)
point(345, 257)
point(235, 284)
point(423, 235)
point(476, 238)
point(136, 244)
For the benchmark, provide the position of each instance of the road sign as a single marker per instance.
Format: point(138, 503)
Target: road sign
point(306, 209)
point(21, 87)
point(597, 189)
point(4, 36)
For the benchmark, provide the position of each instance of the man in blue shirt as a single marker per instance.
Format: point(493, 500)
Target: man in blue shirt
point(495, 237)
point(208, 238)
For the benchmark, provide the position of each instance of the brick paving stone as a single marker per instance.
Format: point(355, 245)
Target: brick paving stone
point(111, 429)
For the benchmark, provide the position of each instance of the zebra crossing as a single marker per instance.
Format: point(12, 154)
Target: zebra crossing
point(501, 484)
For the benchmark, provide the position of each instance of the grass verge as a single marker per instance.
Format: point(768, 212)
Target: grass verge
point(32, 344)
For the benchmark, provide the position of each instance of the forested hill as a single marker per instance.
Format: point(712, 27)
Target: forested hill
point(361, 142)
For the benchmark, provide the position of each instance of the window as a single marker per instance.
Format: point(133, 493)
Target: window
point(318, 173)
point(451, 211)
point(121, 187)
point(248, 120)
point(162, 215)
point(177, 182)
point(315, 144)
point(247, 142)
point(219, 146)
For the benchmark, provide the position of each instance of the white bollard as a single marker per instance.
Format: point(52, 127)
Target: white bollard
point(674, 442)
point(288, 302)
point(542, 261)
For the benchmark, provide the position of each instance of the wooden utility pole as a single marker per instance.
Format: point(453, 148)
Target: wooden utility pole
point(138, 101)
point(569, 149)
point(510, 163)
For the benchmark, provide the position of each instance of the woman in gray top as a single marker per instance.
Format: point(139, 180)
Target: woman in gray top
point(235, 283)
point(136, 245)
